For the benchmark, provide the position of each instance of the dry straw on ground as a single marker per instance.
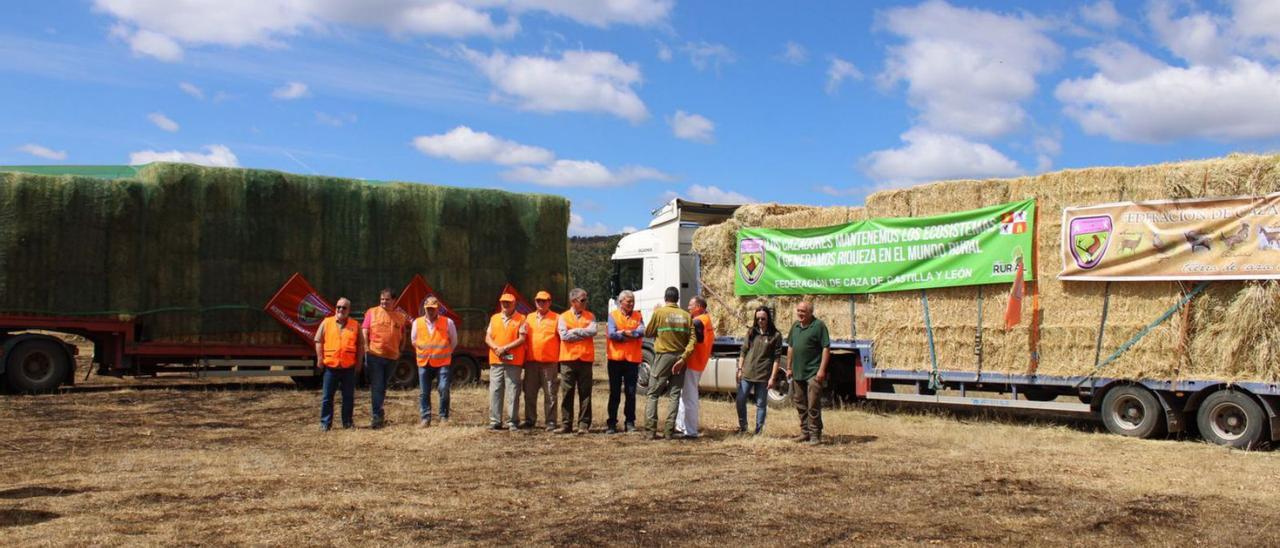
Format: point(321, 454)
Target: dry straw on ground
point(1228, 334)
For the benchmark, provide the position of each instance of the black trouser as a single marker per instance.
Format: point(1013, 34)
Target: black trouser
point(622, 381)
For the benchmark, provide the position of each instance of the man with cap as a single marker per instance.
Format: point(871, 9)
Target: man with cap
point(577, 355)
point(339, 352)
point(505, 337)
point(626, 335)
point(672, 328)
point(383, 329)
point(541, 363)
point(434, 337)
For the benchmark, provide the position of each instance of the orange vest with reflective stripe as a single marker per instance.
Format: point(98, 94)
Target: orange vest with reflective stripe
point(504, 332)
point(702, 351)
point(583, 350)
point(386, 332)
point(544, 337)
point(628, 350)
point(340, 342)
point(431, 348)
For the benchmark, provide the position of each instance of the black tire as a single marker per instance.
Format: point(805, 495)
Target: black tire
point(1132, 411)
point(312, 382)
point(36, 366)
point(404, 375)
point(1039, 394)
point(1231, 418)
point(642, 375)
point(465, 372)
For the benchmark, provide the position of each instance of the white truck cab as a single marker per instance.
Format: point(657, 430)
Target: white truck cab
point(649, 261)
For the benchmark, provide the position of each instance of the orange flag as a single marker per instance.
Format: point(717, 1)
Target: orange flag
point(410, 301)
point(1013, 314)
point(522, 304)
point(299, 307)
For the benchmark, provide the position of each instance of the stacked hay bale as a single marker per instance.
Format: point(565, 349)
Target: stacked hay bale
point(222, 241)
point(1228, 333)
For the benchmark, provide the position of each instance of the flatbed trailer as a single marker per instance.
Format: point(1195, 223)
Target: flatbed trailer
point(33, 359)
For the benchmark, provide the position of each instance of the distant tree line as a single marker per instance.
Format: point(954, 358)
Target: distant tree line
point(590, 268)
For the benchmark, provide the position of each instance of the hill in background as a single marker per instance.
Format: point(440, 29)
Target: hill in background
point(590, 268)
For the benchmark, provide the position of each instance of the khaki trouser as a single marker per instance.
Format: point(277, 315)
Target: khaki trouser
point(575, 377)
point(545, 377)
point(663, 382)
point(504, 394)
point(807, 395)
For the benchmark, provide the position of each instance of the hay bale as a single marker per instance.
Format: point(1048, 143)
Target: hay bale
point(183, 236)
point(1227, 338)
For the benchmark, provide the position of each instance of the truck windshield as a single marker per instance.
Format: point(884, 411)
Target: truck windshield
point(627, 274)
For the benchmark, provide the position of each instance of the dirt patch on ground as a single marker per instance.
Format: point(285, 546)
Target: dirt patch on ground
point(219, 466)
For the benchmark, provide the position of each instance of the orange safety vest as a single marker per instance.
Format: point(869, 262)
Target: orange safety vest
point(702, 351)
point(503, 333)
point(340, 342)
point(386, 332)
point(628, 350)
point(432, 347)
point(583, 350)
point(544, 337)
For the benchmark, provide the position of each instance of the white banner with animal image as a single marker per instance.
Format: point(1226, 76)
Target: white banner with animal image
point(1194, 239)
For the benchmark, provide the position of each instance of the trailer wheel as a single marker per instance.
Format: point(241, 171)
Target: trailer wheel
point(36, 366)
point(405, 375)
point(1231, 418)
point(642, 375)
point(1132, 411)
point(465, 370)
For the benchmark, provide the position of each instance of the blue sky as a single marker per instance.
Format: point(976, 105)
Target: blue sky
point(620, 105)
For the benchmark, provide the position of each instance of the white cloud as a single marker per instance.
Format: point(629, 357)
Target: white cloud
point(838, 71)
point(43, 152)
point(579, 81)
point(335, 120)
point(1258, 21)
point(1238, 101)
point(1047, 146)
point(838, 192)
point(664, 52)
point(579, 227)
point(583, 173)
point(214, 156)
point(1195, 37)
point(716, 195)
point(1101, 13)
point(191, 89)
point(794, 53)
point(462, 144)
point(161, 28)
point(692, 127)
point(967, 70)
point(704, 54)
point(931, 156)
point(1122, 62)
point(163, 122)
point(629, 229)
point(290, 91)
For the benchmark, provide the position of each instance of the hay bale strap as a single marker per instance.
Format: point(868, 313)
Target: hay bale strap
point(935, 380)
point(1150, 327)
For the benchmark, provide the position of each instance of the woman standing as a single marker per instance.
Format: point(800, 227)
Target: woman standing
point(757, 362)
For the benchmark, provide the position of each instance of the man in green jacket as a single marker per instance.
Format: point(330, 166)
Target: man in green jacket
point(672, 330)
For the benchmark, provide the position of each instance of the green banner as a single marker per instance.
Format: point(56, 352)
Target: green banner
point(980, 246)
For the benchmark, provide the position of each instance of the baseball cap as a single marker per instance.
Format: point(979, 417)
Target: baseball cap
point(431, 302)
point(507, 298)
point(542, 296)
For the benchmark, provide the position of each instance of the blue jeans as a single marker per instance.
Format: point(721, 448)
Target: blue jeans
point(762, 403)
point(426, 377)
point(333, 377)
point(622, 381)
point(379, 370)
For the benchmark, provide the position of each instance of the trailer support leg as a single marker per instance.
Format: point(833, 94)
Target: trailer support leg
point(1271, 405)
point(1173, 418)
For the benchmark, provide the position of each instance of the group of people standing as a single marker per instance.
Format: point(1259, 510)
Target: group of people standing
point(552, 354)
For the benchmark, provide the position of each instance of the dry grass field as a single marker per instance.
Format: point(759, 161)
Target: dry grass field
point(245, 464)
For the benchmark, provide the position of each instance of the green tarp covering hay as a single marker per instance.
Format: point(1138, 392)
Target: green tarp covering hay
point(196, 252)
point(1229, 332)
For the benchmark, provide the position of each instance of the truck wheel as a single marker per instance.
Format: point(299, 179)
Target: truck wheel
point(642, 375)
point(36, 366)
point(465, 371)
point(405, 375)
point(1230, 418)
point(1132, 411)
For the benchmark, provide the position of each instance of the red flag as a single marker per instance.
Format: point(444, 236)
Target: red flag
point(411, 299)
point(299, 307)
point(522, 304)
point(1013, 314)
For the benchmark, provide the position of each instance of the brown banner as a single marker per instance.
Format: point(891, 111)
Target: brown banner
point(1201, 239)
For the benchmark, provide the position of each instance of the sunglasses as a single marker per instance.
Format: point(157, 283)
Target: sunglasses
point(341, 307)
